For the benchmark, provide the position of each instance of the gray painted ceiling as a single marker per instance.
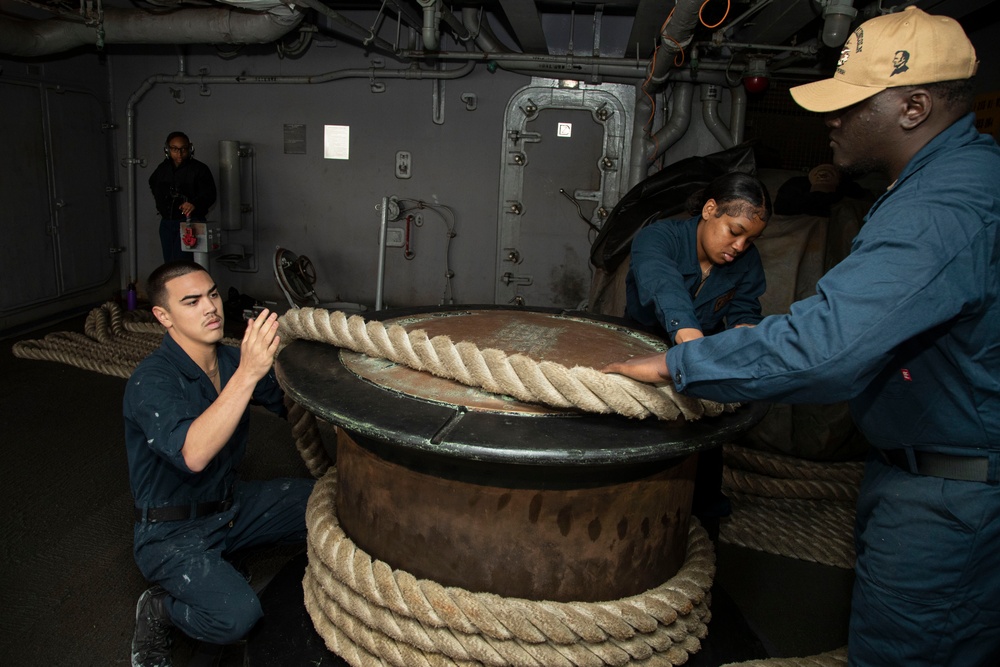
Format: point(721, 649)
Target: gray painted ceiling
point(526, 26)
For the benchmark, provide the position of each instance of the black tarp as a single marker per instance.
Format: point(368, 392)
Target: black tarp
point(662, 195)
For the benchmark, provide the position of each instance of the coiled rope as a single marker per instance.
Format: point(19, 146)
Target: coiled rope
point(791, 507)
point(370, 614)
point(495, 371)
point(115, 342)
point(308, 440)
point(837, 658)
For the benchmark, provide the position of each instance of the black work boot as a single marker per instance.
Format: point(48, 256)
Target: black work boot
point(151, 641)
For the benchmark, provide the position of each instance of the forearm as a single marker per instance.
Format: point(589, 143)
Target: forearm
point(651, 369)
point(210, 432)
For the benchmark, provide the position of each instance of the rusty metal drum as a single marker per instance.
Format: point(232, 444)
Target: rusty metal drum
point(486, 493)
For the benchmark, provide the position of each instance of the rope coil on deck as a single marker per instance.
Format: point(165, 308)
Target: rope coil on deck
point(370, 614)
point(495, 371)
point(109, 346)
point(790, 507)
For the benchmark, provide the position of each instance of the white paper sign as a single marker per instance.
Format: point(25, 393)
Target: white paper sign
point(337, 142)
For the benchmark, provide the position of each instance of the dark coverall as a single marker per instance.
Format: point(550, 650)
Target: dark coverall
point(208, 599)
point(907, 328)
point(664, 292)
point(172, 186)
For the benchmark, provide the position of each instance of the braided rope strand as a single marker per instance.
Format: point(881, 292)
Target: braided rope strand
point(514, 375)
point(365, 608)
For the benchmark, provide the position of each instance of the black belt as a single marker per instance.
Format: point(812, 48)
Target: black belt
point(181, 512)
point(934, 464)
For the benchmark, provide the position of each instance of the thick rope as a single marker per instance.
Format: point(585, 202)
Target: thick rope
point(113, 343)
point(515, 375)
point(811, 530)
point(308, 440)
point(116, 341)
point(790, 467)
point(837, 658)
point(370, 614)
point(783, 506)
point(106, 348)
point(791, 507)
point(771, 487)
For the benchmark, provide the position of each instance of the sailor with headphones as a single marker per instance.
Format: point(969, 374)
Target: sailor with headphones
point(184, 190)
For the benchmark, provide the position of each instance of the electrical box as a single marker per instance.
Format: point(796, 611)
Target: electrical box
point(394, 237)
point(200, 236)
point(402, 164)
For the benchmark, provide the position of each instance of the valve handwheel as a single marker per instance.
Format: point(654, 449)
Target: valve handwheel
point(304, 267)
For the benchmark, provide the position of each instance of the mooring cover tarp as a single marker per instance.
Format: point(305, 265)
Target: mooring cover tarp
point(662, 195)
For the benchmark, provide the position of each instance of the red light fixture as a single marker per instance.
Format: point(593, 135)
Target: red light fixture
point(755, 77)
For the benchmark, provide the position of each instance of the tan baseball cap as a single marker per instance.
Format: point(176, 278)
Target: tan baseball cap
point(903, 49)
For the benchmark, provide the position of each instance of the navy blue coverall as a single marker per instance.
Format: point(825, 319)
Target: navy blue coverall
point(208, 599)
point(662, 285)
point(664, 292)
point(907, 328)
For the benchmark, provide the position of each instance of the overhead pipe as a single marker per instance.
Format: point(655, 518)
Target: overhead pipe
point(456, 26)
point(184, 26)
point(481, 33)
point(677, 33)
point(680, 118)
point(679, 121)
point(710, 96)
point(809, 49)
point(364, 34)
point(431, 31)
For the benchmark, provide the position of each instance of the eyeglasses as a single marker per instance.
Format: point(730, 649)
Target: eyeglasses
point(179, 149)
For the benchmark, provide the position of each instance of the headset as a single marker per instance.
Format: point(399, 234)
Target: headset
point(174, 135)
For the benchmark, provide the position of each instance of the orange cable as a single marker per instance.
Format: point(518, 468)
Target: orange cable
point(724, 16)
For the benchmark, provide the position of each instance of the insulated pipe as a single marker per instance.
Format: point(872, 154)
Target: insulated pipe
point(677, 33)
point(708, 73)
point(184, 26)
point(638, 162)
point(710, 95)
point(679, 121)
point(181, 78)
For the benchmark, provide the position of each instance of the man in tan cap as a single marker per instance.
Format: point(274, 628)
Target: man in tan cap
point(907, 328)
